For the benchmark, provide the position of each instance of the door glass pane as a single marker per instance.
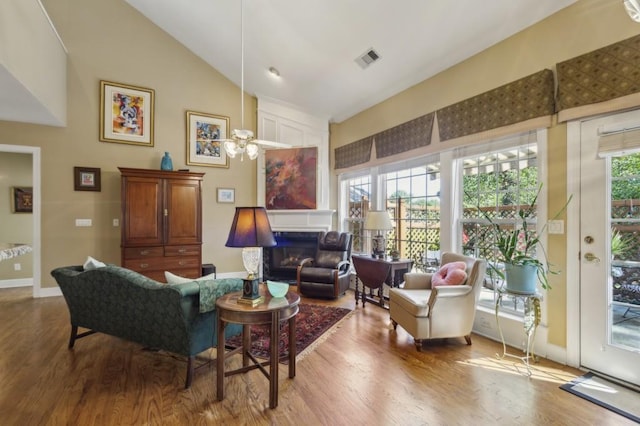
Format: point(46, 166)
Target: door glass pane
point(625, 251)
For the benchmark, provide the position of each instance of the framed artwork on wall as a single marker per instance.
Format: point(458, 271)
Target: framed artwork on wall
point(291, 176)
point(86, 179)
point(226, 195)
point(126, 114)
point(205, 135)
point(22, 199)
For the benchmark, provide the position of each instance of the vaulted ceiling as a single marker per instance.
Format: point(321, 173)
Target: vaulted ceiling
point(314, 44)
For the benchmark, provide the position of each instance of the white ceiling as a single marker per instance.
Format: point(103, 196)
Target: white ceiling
point(314, 43)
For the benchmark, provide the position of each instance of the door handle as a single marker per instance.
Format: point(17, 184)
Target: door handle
point(590, 257)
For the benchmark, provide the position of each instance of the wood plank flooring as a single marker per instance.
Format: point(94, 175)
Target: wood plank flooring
point(364, 373)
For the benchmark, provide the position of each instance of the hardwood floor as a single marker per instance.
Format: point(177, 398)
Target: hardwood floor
point(364, 373)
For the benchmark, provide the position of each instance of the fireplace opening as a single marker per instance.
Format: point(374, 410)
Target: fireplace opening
point(280, 263)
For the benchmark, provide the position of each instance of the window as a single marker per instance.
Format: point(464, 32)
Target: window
point(497, 184)
point(357, 204)
point(413, 201)
point(433, 200)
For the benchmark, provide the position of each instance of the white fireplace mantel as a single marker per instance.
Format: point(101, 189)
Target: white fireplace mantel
point(301, 220)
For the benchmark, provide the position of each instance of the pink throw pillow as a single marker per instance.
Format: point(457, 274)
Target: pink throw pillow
point(450, 274)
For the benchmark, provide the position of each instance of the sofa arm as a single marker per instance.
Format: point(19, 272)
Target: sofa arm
point(210, 290)
point(452, 290)
point(417, 280)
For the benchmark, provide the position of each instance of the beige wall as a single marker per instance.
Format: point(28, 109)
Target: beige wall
point(110, 40)
point(15, 170)
point(581, 28)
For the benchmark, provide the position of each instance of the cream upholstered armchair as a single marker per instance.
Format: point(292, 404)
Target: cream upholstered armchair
point(438, 311)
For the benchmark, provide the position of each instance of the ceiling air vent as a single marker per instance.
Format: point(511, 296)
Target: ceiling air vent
point(366, 59)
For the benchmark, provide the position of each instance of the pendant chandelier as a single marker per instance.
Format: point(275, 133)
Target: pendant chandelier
point(242, 141)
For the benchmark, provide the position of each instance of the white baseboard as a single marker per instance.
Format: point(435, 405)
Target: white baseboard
point(49, 292)
point(19, 282)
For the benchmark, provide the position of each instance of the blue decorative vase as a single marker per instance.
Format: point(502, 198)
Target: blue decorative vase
point(166, 163)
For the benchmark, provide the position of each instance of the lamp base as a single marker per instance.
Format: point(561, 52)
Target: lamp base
point(378, 246)
point(250, 289)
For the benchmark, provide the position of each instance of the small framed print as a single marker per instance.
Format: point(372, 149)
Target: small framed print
point(86, 179)
point(226, 195)
point(206, 134)
point(22, 199)
point(126, 114)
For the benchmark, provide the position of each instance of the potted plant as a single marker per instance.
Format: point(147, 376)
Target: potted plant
point(516, 246)
point(620, 244)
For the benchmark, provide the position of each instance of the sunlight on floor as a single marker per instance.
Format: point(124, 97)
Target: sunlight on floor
point(509, 366)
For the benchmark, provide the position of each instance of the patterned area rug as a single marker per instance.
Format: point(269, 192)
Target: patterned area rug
point(314, 323)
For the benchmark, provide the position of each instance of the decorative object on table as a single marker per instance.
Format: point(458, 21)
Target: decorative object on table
point(516, 245)
point(290, 178)
point(277, 289)
point(226, 195)
point(86, 179)
point(314, 323)
point(10, 250)
point(166, 163)
point(378, 220)
point(126, 114)
point(395, 254)
point(251, 230)
point(205, 136)
point(242, 140)
point(22, 199)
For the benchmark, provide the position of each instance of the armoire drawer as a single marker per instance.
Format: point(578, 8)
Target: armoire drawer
point(182, 250)
point(143, 252)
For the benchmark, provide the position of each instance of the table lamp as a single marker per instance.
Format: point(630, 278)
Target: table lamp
point(378, 221)
point(251, 231)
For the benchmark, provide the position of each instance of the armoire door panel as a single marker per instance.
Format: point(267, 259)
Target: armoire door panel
point(143, 212)
point(184, 218)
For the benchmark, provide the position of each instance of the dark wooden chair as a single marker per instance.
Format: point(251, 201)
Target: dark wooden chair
point(373, 273)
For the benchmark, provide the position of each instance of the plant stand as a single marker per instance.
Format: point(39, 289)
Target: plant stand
point(530, 322)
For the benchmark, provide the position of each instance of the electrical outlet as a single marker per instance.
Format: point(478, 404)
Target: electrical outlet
point(17, 267)
point(116, 222)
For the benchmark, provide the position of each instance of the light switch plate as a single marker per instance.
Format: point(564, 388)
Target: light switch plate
point(83, 222)
point(556, 227)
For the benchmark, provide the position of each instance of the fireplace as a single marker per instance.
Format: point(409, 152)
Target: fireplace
point(280, 263)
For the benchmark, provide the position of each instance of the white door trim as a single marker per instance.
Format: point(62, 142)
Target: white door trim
point(36, 215)
point(573, 244)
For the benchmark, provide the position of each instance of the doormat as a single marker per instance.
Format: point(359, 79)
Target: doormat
point(314, 324)
point(610, 395)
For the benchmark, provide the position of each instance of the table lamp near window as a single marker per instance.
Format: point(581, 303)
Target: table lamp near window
point(378, 221)
point(251, 231)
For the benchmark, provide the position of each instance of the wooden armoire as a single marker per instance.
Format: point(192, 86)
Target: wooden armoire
point(161, 222)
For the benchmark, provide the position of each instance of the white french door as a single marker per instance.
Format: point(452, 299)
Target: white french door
point(609, 316)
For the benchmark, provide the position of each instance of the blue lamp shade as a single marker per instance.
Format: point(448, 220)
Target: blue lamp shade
point(250, 228)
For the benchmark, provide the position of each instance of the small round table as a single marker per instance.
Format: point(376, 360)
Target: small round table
point(271, 311)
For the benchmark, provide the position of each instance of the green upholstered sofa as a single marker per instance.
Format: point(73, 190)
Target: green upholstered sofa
point(178, 318)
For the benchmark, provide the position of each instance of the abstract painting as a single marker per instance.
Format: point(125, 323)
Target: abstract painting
point(291, 176)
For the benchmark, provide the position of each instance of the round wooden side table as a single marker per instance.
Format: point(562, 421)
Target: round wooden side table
point(271, 311)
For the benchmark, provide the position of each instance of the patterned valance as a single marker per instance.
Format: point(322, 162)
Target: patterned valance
point(355, 153)
point(521, 100)
point(601, 75)
point(404, 137)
